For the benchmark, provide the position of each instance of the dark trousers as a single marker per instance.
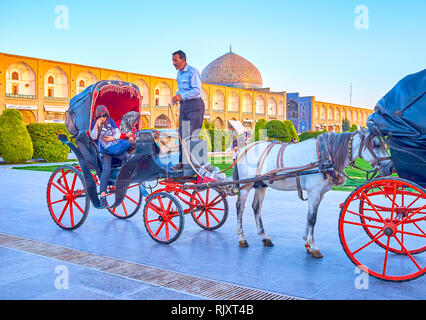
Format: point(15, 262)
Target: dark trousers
point(106, 172)
point(106, 169)
point(190, 119)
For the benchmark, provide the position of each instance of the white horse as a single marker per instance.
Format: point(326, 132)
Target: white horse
point(341, 149)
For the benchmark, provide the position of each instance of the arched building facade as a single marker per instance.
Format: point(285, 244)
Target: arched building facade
point(232, 90)
point(307, 114)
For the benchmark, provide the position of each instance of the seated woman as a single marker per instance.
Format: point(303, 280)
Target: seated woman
point(128, 128)
point(105, 132)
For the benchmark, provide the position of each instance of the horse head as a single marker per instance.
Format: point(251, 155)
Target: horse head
point(373, 149)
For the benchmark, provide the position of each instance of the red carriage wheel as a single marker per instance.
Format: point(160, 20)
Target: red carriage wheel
point(382, 228)
point(213, 208)
point(129, 206)
point(163, 217)
point(67, 199)
point(402, 200)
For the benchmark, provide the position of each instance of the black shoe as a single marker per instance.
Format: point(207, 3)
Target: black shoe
point(178, 167)
point(103, 202)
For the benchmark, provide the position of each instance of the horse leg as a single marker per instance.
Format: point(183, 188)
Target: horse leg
point(241, 202)
point(259, 196)
point(314, 199)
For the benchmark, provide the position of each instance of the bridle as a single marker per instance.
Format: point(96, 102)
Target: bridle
point(368, 143)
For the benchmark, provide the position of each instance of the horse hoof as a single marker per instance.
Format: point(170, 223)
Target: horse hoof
point(244, 244)
point(316, 254)
point(267, 243)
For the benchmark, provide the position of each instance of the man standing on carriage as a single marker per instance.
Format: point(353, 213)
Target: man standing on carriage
point(189, 95)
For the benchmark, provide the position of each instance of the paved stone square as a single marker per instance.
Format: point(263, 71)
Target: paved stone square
point(284, 269)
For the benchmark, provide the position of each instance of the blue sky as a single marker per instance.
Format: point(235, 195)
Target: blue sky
point(311, 47)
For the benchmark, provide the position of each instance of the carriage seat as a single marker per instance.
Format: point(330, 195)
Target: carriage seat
point(167, 141)
point(158, 142)
point(166, 145)
point(117, 162)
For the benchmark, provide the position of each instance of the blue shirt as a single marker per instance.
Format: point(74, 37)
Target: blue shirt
point(189, 83)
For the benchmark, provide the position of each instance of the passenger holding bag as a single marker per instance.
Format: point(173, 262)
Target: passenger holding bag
point(106, 133)
point(117, 147)
point(109, 139)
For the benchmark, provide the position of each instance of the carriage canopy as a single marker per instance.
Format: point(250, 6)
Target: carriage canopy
point(401, 113)
point(118, 96)
point(401, 116)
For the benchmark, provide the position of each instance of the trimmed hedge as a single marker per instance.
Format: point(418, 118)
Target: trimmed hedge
point(220, 139)
point(260, 125)
point(345, 125)
point(46, 143)
point(276, 130)
point(204, 135)
point(310, 134)
point(353, 128)
point(15, 142)
point(291, 130)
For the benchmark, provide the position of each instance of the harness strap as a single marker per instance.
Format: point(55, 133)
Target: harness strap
point(280, 165)
point(299, 189)
point(241, 156)
point(367, 142)
point(263, 157)
point(280, 156)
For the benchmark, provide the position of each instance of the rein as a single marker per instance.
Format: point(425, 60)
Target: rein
point(367, 142)
point(270, 175)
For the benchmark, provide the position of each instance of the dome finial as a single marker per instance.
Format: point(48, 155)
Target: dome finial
point(230, 48)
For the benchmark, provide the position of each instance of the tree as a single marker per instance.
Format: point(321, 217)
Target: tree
point(208, 125)
point(205, 133)
point(260, 125)
point(276, 130)
point(220, 139)
point(353, 128)
point(15, 141)
point(291, 130)
point(345, 125)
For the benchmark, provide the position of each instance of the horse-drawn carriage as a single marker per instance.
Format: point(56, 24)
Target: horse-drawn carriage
point(396, 227)
point(71, 189)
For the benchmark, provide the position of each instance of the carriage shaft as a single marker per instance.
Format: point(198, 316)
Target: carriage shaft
point(270, 178)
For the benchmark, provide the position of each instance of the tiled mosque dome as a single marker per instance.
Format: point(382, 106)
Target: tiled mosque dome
point(232, 70)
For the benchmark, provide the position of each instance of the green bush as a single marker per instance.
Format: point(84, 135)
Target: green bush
point(204, 134)
point(220, 139)
point(345, 125)
point(353, 128)
point(310, 134)
point(208, 125)
point(276, 130)
point(291, 130)
point(260, 125)
point(46, 143)
point(15, 142)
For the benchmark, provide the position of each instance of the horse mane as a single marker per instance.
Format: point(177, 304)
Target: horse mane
point(334, 147)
